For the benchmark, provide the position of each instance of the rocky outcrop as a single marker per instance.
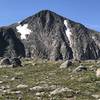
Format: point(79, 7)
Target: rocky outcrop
point(50, 36)
point(10, 45)
point(10, 62)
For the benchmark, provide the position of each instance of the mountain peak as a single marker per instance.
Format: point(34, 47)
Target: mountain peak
point(51, 36)
point(44, 16)
point(46, 10)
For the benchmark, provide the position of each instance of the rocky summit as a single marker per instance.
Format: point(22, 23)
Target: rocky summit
point(48, 35)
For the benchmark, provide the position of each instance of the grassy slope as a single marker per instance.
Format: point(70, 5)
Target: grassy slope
point(36, 73)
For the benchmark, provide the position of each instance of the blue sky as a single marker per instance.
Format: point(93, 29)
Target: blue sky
point(86, 12)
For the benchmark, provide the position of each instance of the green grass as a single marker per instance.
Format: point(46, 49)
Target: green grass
point(36, 73)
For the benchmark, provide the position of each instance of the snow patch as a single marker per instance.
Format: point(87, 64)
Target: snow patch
point(93, 37)
point(68, 32)
point(23, 30)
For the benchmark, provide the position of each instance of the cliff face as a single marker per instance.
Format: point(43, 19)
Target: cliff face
point(50, 36)
point(10, 45)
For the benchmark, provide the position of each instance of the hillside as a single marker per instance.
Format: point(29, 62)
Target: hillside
point(45, 80)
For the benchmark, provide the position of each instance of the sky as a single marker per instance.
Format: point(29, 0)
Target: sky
point(86, 12)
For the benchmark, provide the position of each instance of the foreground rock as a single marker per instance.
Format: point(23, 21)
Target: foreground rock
point(40, 93)
point(52, 90)
point(42, 88)
point(62, 91)
point(96, 96)
point(1, 82)
point(16, 62)
point(5, 61)
point(5, 89)
point(80, 68)
point(98, 73)
point(66, 64)
point(22, 86)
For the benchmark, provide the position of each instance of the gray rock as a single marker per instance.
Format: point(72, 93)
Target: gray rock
point(60, 90)
point(5, 87)
point(16, 62)
point(5, 61)
point(20, 98)
point(92, 68)
point(22, 86)
point(66, 64)
point(96, 96)
point(15, 92)
point(40, 93)
point(1, 82)
point(98, 73)
point(44, 87)
point(80, 68)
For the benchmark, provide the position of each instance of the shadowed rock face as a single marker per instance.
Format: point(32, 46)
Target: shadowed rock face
point(52, 37)
point(10, 45)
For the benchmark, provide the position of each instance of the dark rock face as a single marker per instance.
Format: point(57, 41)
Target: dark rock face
point(10, 45)
point(50, 36)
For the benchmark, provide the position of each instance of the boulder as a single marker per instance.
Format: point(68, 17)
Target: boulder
point(98, 73)
point(16, 62)
point(42, 88)
point(66, 64)
point(22, 86)
point(61, 90)
point(5, 61)
point(80, 68)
